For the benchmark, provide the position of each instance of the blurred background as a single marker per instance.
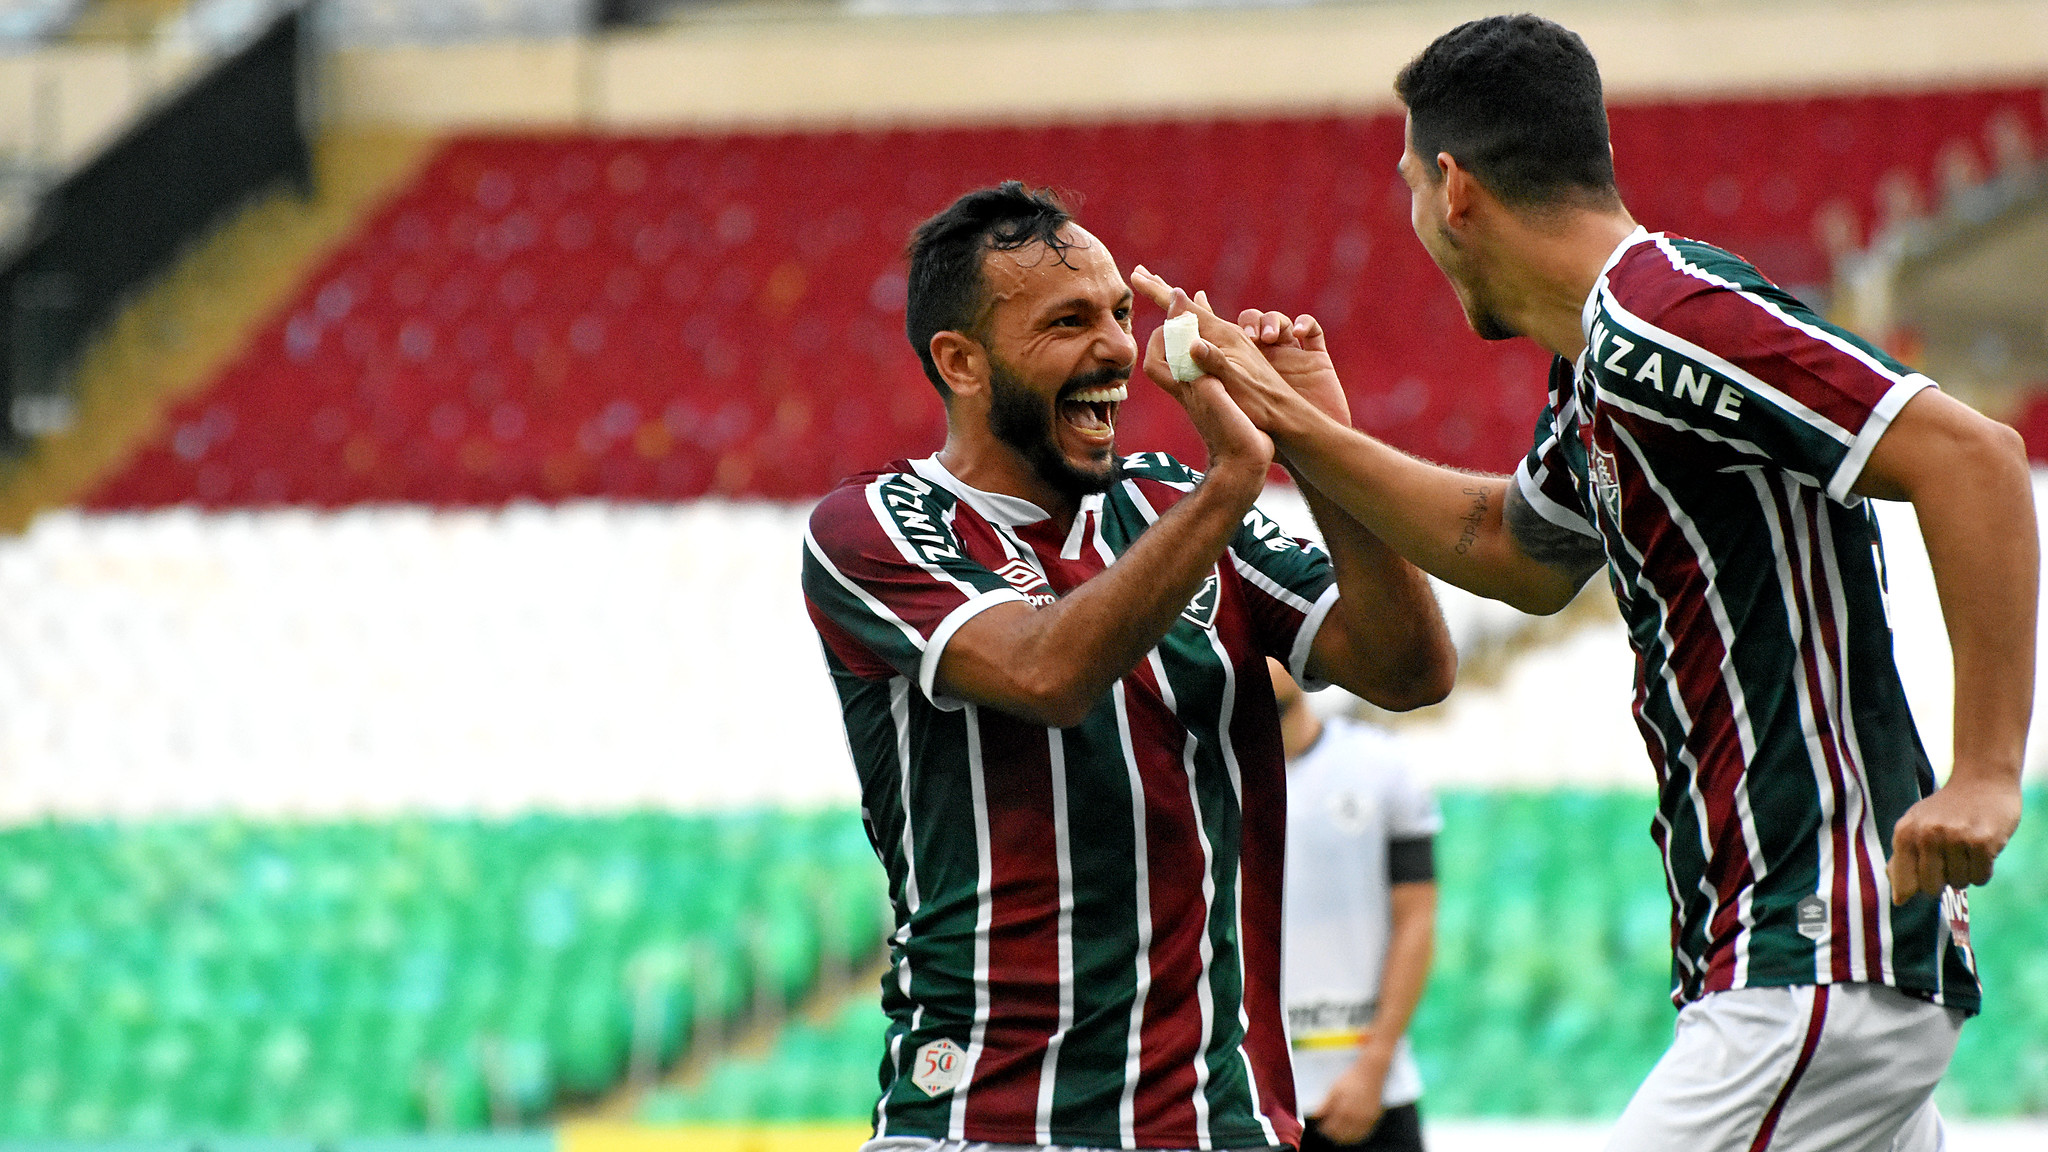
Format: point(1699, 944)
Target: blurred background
point(410, 733)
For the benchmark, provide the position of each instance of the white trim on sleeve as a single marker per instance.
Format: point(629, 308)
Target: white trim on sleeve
point(1888, 405)
point(1297, 660)
point(928, 667)
point(1550, 509)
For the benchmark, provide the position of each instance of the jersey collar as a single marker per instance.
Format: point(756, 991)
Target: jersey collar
point(994, 507)
point(1592, 306)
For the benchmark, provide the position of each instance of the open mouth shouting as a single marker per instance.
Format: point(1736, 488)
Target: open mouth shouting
point(1091, 412)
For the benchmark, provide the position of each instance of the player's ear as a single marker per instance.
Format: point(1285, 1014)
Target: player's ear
point(1458, 189)
point(962, 362)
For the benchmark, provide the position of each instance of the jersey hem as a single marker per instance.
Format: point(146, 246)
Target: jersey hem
point(928, 666)
point(1969, 1003)
point(1087, 1140)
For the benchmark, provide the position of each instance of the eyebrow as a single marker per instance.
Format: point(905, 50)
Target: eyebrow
point(1084, 302)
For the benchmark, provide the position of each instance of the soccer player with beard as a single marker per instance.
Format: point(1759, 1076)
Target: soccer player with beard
point(1052, 667)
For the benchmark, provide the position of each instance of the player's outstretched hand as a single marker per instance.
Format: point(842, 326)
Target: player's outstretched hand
point(1296, 348)
point(1949, 839)
point(1226, 353)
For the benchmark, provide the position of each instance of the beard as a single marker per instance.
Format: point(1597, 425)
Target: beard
point(1489, 326)
point(1022, 419)
point(1485, 322)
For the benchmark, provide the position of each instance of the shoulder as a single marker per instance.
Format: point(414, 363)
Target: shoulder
point(1158, 468)
point(889, 503)
point(1150, 483)
point(1677, 263)
point(1694, 293)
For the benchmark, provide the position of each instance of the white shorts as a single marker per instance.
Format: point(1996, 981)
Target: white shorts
point(1843, 1068)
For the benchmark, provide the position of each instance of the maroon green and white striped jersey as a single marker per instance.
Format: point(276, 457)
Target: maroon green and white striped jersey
point(1088, 918)
point(1709, 437)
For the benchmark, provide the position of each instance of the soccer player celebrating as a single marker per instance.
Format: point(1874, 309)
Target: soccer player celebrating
point(1052, 668)
point(1710, 442)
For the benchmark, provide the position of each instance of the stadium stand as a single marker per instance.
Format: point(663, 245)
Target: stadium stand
point(1553, 960)
point(396, 659)
point(225, 976)
point(327, 679)
point(668, 317)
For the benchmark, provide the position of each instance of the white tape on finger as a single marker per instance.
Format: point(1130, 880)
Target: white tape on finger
point(1180, 337)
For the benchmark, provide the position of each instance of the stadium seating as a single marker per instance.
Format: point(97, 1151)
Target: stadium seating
point(225, 976)
point(583, 658)
point(1548, 998)
point(668, 316)
point(812, 1072)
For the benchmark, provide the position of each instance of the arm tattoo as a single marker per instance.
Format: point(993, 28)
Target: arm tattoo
point(1567, 551)
point(1472, 519)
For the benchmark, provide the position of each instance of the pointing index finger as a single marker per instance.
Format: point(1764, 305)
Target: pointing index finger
point(1151, 287)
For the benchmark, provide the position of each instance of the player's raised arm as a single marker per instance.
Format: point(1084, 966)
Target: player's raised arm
point(1385, 639)
point(1053, 664)
point(1967, 479)
point(1476, 531)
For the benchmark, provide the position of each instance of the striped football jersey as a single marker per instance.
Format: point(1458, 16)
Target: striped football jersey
point(1087, 929)
point(1709, 437)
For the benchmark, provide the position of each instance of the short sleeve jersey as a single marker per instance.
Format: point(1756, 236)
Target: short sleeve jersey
point(1348, 796)
point(1087, 942)
point(1710, 437)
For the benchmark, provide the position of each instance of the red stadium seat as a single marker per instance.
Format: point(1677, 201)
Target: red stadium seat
point(662, 317)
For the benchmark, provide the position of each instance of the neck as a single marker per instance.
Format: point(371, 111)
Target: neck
point(1548, 266)
point(1299, 729)
point(989, 464)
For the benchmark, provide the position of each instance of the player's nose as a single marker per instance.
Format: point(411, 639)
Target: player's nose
point(1115, 344)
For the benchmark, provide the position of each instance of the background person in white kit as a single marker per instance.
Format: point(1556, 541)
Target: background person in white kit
point(1358, 926)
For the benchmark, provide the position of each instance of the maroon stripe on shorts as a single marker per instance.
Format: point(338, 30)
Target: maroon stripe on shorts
point(1813, 1026)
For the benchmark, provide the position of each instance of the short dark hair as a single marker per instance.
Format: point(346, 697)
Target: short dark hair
point(947, 292)
point(1516, 100)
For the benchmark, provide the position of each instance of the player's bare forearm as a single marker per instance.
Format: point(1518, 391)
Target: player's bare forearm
point(1968, 481)
point(1410, 947)
point(1450, 524)
point(1385, 639)
point(1051, 665)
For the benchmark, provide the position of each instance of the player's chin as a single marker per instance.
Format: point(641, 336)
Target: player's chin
point(1097, 462)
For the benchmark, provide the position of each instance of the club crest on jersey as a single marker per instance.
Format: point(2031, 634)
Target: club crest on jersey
point(1352, 812)
point(1024, 578)
point(1606, 482)
point(1201, 611)
point(939, 1068)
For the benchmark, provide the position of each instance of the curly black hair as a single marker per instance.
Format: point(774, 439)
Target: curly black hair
point(947, 292)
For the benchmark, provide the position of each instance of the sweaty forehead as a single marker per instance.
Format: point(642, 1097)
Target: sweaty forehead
point(1035, 273)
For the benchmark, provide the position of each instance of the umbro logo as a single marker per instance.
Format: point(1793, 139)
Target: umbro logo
point(1024, 578)
point(1019, 574)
